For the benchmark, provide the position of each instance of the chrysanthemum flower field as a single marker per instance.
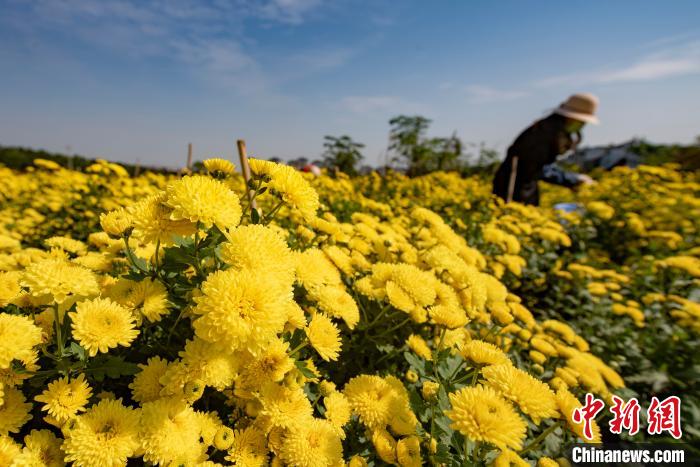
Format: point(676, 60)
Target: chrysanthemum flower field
point(163, 320)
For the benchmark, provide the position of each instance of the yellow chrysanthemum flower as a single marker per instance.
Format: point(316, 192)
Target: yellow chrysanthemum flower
point(57, 280)
point(402, 420)
point(64, 397)
point(314, 269)
point(324, 337)
point(532, 395)
point(146, 385)
point(116, 223)
point(240, 309)
point(151, 219)
point(214, 365)
point(335, 301)
point(9, 287)
point(101, 324)
point(67, 244)
point(385, 445)
point(272, 364)
point(371, 399)
point(148, 297)
point(106, 435)
point(418, 345)
point(257, 247)
point(201, 199)
point(547, 462)
point(248, 447)
point(209, 424)
point(289, 184)
point(408, 452)
point(357, 461)
point(600, 209)
point(508, 458)
point(452, 317)
point(480, 414)
point(14, 411)
point(689, 264)
point(312, 444)
point(338, 410)
point(170, 432)
point(567, 403)
point(483, 353)
point(18, 337)
point(9, 450)
point(217, 164)
point(283, 406)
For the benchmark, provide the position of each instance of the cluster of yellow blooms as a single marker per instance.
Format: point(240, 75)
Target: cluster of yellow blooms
point(214, 322)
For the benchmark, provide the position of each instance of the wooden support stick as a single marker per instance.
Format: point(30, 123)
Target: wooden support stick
point(511, 179)
point(245, 167)
point(189, 157)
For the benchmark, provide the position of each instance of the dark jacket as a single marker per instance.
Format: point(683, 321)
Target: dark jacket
point(537, 148)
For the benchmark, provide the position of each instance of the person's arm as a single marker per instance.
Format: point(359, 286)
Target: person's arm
point(552, 173)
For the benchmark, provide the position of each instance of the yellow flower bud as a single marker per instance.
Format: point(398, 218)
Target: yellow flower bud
point(430, 389)
point(223, 438)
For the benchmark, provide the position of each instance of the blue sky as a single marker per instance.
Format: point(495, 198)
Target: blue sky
point(136, 80)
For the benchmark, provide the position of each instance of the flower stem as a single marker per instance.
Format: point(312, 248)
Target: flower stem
point(59, 331)
point(271, 215)
point(398, 326)
point(130, 256)
point(475, 375)
point(536, 442)
point(298, 348)
point(378, 317)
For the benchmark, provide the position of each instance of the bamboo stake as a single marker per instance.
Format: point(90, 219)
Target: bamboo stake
point(511, 179)
point(245, 167)
point(189, 157)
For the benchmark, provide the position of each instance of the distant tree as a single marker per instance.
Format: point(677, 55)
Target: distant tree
point(487, 156)
point(407, 142)
point(444, 153)
point(421, 155)
point(342, 152)
point(479, 159)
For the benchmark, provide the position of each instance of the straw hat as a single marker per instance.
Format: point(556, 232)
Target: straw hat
point(580, 107)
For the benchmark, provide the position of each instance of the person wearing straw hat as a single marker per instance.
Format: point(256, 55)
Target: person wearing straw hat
point(532, 155)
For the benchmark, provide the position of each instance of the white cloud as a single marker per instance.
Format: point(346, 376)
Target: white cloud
point(482, 93)
point(652, 69)
point(680, 60)
point(369, 104)
point(206, 40)
point(318, 59)
point(666, 41)
point(287, 11)
point(222, 62)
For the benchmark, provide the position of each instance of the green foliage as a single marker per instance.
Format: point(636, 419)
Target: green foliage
point(343, 153)
point(20, 158)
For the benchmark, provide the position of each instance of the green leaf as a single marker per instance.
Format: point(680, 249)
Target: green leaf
point(301, 366)
point(78, 351)
point(415, 362)
point(255, 216)
point(178, 255)
point(111, 366)
point(140, 263)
